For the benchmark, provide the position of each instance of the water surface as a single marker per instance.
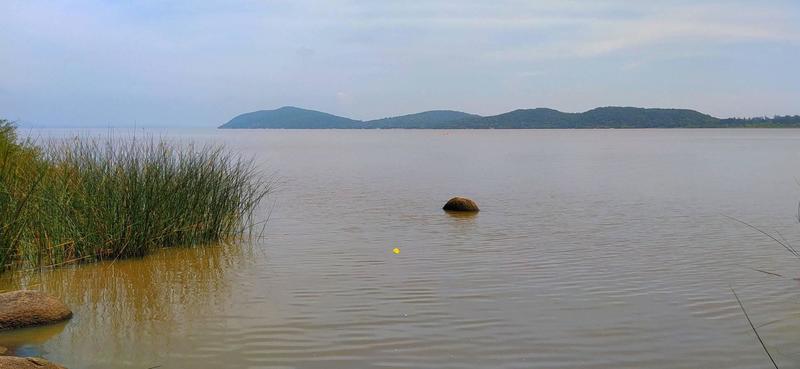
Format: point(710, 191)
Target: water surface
point(593, 249)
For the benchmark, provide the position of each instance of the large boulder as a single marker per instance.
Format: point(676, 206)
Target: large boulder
point(13, 362)
point(461, 204)
point(20, 309)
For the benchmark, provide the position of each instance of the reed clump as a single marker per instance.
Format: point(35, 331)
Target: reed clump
point(88, 200)
point(21, 171)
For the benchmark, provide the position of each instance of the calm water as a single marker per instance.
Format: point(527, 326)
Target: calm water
point(593, 249)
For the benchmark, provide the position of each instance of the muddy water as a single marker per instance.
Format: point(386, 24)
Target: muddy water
point(593, 249)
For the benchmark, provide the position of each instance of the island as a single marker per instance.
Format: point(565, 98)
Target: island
point(289, 117)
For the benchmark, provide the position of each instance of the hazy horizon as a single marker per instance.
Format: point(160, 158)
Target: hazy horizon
point(199, 63)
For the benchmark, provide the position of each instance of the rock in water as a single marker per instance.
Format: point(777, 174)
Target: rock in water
point(13, 362)
point(20, 309)
point(461, 204)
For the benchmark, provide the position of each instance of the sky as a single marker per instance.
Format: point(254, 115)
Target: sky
point(199, 63)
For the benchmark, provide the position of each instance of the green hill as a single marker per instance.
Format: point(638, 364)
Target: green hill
point(522, 118)
point(290, 117)
point(617, 117)
point(427, 119)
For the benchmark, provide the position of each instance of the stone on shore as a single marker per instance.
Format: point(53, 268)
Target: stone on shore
point(13, 362)
point(461, 204)
point(19, 309)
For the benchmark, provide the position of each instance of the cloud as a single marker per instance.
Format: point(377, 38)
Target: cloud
point(693, 24)
point(304, 52)
point(688, 26)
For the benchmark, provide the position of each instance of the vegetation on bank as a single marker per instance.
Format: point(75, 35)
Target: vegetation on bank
point(87, 200)
point(606, 117)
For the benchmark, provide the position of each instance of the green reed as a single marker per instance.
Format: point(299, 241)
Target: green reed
point(124, 198)
point(21, 172)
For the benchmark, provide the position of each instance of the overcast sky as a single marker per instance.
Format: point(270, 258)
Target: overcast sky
point(199, 63)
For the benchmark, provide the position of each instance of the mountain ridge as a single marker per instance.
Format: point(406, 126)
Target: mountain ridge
point(289, 117)
point(417, 120)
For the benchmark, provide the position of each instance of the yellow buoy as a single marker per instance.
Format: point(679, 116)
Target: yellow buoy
point(396, 250)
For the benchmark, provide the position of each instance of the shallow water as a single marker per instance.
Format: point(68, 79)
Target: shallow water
point(593, 249)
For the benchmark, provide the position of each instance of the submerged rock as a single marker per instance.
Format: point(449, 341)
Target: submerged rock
point(13, 362)
point(20, 309)
point(461, 204)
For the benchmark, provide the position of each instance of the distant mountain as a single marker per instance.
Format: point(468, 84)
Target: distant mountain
point(605, 117)
point(617, 117)
point(522, 118)
point(608, 117)
point(290, 117)
point(427, 119)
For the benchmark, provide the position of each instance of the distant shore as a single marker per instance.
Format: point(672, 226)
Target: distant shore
point(541, 118)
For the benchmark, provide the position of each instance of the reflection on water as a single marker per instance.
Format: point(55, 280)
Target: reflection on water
point(128, 302)
point(28, 341)
point(461, 214)
point(593, 249)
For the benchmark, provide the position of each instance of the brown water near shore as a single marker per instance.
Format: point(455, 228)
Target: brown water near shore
point(593, 249)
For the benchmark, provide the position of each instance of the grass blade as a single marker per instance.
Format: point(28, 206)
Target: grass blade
point(754, 328)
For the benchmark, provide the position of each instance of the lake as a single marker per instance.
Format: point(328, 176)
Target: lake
point(593, 249)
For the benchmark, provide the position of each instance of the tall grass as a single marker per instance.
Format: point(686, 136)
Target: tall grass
point(110, 199)
point(21, 172)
